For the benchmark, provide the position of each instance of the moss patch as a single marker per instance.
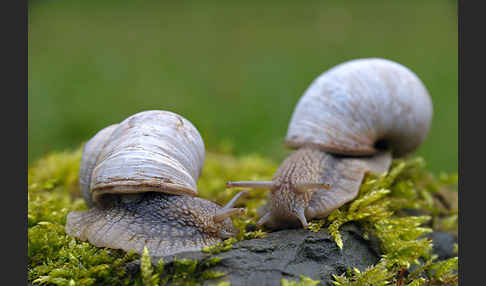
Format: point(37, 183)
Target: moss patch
point(382, 208)
point(304, 281)
point(57, 259)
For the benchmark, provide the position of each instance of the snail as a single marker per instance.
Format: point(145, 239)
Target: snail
point(351, 120)
point(139, 179)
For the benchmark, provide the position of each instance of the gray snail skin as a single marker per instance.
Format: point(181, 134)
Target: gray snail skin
point(139, 179)
point(351, 120)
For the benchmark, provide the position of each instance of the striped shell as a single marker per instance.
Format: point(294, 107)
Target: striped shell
point(151, 151)
point(358, 104)
point(91, 150)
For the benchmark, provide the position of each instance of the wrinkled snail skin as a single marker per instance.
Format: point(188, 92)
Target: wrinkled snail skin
point(291, 207)
point(139, 178)
point(351, 120)
point(166, 224)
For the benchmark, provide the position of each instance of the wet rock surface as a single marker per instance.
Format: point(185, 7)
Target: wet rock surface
point(443, 244)
point(288, 254)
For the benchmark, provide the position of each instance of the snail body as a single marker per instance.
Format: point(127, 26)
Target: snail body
point(351, 120)
point(139, 178)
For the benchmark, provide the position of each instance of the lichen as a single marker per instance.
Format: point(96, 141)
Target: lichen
point(382, 208)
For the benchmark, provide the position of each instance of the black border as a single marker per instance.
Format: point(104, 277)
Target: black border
point(471, 142)
point(13, 210)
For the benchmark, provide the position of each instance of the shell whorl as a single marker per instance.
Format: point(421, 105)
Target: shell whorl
point(151, 151)
point(91, 151)
point(354, 105)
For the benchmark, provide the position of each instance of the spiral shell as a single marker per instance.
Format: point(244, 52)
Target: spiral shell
point(91, 150)
point(350, 121)
point(358, 104)
point(150, 162)
point(151, 151)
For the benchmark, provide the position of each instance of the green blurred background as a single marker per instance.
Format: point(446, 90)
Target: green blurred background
point(235, 70)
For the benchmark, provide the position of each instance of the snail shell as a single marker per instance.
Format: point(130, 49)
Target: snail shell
point(156, 151)
point(350, 121)
point(360, 103)
point(139, 178)
point(89, 157)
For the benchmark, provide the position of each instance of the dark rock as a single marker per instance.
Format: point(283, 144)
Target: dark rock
point(288, 254)
point(251, 227)
point(443, 244)
point(132, 268)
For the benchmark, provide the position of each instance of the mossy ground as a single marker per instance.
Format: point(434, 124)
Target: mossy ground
point(381, 208)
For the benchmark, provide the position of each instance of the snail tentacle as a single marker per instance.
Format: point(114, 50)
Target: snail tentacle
point(233, 201)
point(226, 213)
point(252, 184)
point(349, 121)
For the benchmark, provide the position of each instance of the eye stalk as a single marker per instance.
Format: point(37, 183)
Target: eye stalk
point(270, 185)
point(228, 210)
point(305, 189)
point(222, 214)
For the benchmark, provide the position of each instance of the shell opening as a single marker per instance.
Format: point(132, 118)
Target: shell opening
point(382, 145)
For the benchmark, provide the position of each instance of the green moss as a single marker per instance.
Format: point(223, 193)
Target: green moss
point(181, 272)
point(376, 276)
point(304, 281)
point(53, 257)
point(146, 269)
point(380, 209)
point(57, 259)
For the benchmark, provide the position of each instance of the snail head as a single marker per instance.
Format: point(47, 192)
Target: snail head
point(222, 217)
point(289, 200)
